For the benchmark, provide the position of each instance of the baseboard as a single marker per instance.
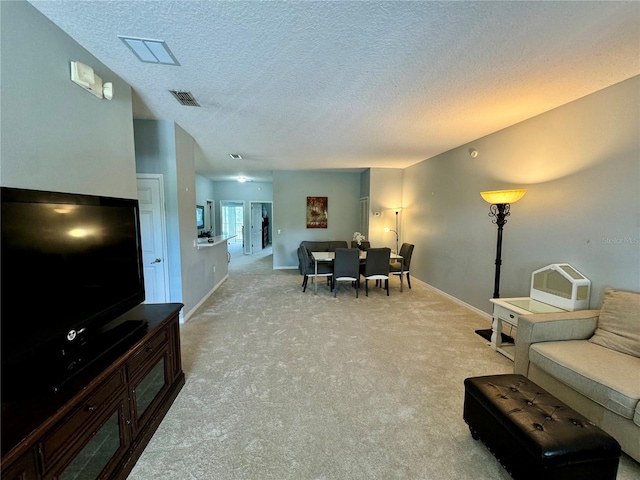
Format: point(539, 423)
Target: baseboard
point(285, 268)
point(457, 300)
point(188, 315)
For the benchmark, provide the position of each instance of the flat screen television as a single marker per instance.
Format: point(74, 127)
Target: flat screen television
point(199, 217)
point(70, 266)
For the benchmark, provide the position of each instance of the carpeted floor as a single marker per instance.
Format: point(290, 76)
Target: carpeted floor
point(289, 385)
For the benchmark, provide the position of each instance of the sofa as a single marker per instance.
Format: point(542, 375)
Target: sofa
point(589, 359)
point(326, 246)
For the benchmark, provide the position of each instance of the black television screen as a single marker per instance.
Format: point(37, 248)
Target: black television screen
point(71, 264)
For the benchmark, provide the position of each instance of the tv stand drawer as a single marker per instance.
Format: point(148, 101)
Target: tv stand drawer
point(145, 353)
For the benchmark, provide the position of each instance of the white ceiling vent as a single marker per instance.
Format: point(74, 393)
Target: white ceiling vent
point(185, 98)
point(235, 156)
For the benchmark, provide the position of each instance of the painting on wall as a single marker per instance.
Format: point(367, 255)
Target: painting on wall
point(317, 212)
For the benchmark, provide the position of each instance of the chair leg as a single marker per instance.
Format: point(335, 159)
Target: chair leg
point(357, 282)
point(408, 280)
point(386, 284)
point(335, 289)
point(304, 284)
point(366, 287)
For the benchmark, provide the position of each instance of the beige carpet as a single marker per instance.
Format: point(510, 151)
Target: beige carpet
point(289, 385)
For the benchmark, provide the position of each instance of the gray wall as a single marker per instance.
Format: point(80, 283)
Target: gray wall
point(55, 135)
point(164, 147)
point(156, 153)
point(244, 192)
point(385, 197)
point(290, 192)
point(581, 166)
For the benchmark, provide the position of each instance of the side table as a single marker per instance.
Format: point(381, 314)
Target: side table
point(509, 310)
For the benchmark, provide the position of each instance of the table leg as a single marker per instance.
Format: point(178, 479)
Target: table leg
point(496, 333)
point(315, 278)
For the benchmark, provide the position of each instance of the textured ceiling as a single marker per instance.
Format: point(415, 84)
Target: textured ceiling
point(331, 84)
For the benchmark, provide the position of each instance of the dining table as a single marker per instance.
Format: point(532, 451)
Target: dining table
point(326, 257)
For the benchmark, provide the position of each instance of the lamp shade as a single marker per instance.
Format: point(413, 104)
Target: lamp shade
point(497, 197)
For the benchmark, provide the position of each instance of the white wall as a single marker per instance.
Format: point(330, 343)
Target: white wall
point(290, 192)
point(55, 135)
point(581, 166)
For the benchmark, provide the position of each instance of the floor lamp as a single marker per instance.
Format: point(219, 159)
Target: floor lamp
point(395, 231)
point(500, 201)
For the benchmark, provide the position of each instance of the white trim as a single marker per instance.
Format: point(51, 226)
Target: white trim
point(184, 318)
point(456, 300)
point(286, 268)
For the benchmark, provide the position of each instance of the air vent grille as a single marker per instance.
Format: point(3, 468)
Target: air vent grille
point(185, 98)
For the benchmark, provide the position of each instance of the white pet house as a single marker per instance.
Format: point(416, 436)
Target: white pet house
point(562, 286)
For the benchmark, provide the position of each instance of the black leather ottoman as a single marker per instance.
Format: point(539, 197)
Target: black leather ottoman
point(533, 434)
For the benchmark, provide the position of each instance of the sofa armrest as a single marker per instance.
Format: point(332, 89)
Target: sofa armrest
point(550, 327)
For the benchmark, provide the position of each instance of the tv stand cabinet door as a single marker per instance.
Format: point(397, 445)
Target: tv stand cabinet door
point(25, 468)
point(149, 386)
point(100, 447)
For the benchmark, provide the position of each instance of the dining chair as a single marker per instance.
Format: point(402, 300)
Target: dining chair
point(308, 268)
point(397, 268)
point(346, 268)
point(376, 267)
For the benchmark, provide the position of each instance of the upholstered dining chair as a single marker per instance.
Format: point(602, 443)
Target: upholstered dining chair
point(307, 266)
point(376, 267)
point(346, 268)
point(364, 244)
point(406, 250)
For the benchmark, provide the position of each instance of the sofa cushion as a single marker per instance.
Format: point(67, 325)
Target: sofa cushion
point(605, 376)
point(636, 417)
point(619, 322)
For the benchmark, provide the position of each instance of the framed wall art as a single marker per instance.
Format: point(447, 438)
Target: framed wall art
point(317, 212)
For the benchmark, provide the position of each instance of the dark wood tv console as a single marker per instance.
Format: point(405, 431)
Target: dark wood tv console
point(98, 426)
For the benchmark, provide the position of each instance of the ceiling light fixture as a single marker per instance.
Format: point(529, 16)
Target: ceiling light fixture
point(242, 179)
point(150, 51)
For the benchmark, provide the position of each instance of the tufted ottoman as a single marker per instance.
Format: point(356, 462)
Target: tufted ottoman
point(533, 434)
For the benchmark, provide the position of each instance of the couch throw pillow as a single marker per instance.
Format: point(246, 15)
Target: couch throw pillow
point(619, 322)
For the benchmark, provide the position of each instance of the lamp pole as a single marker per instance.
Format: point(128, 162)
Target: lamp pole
point(397, 251)
point(500, 212)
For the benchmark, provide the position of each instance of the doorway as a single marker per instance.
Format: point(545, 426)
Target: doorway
point(232, 223)
point(261, 213)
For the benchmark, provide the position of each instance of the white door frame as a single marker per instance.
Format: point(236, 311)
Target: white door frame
point(165, 250)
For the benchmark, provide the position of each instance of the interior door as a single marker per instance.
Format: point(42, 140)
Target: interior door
point(256, 227)
point(154, 247)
